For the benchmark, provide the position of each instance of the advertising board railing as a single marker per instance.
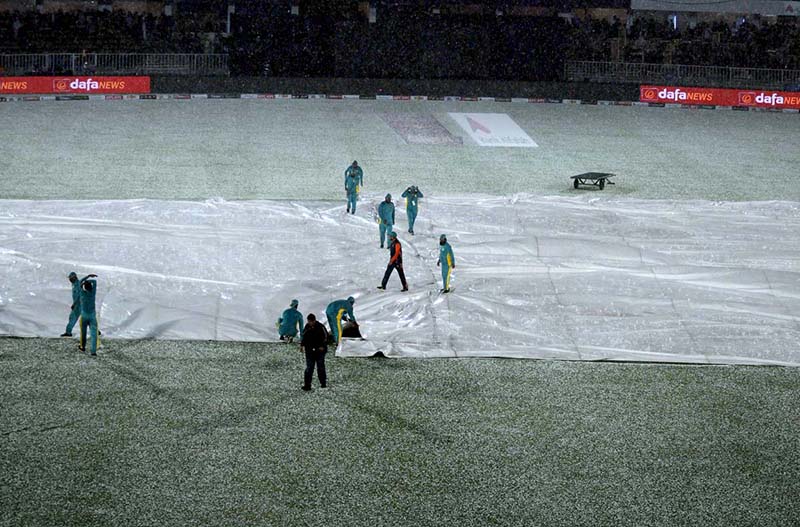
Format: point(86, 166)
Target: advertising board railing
point(74, 85)
point(741, 98)
point(679, 74)
point(113, 64)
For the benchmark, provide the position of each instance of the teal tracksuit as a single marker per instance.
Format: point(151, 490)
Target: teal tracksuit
point(290, 319)
point(412, 195)
point(447, 261)
point(386, 216)
point(75, 314)
point(88, 313)
point(359, 175)
point(351, 186)
point(335, 311)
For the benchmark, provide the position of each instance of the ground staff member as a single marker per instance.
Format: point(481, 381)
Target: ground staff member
point(335, 311)
point(75, 312)
point(386, 216)
point(395, 262)
point(88, 313)
point(355, 170)
point(447, 261)
point(314, 342)
point(412, 195)
point(291, 319)
point(353, 176)
point(351, 187)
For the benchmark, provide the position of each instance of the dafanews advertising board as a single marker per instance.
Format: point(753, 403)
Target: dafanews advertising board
point(493, 129)
point(720, 97)
point(74, 85)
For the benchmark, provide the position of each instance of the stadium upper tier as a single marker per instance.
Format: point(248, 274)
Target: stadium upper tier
point(409, 41)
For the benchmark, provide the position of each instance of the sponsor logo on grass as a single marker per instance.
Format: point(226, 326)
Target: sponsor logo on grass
point(493, 129)
point(420, 128)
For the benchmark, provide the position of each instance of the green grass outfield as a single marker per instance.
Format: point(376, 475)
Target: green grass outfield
point(219, 433)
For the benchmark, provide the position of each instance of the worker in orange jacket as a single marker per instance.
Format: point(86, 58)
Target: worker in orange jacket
point(395, 262)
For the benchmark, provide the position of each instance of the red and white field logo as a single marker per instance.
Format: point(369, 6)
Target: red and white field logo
point(478, 126)
point(60, 85)
point(493, 129)
point(747, 98)
point(649, 94)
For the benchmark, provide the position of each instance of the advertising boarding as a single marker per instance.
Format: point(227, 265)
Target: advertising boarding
point(65, 85)
point(781, 100)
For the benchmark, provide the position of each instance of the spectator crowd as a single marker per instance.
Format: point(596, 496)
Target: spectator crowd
point(408, 41)
point(753, 42)
point(104, 32)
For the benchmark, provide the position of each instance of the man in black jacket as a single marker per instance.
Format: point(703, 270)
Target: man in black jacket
point(315, 343)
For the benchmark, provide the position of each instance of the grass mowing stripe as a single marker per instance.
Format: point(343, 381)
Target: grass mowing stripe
point(189, 433)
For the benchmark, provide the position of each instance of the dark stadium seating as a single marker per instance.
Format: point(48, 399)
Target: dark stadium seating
point(419, 39)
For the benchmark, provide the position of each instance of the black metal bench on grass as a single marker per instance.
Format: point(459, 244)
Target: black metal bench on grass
point(595, 179)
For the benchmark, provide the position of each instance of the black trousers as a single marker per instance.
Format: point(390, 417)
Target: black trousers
point(317, 358)
point(388, 273)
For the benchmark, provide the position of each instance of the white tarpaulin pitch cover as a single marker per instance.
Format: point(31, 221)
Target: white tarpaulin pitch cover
point(536, 277)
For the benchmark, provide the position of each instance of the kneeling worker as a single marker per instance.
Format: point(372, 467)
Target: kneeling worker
point(291, 320)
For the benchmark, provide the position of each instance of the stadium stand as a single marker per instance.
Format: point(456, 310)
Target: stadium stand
point(511, 40)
